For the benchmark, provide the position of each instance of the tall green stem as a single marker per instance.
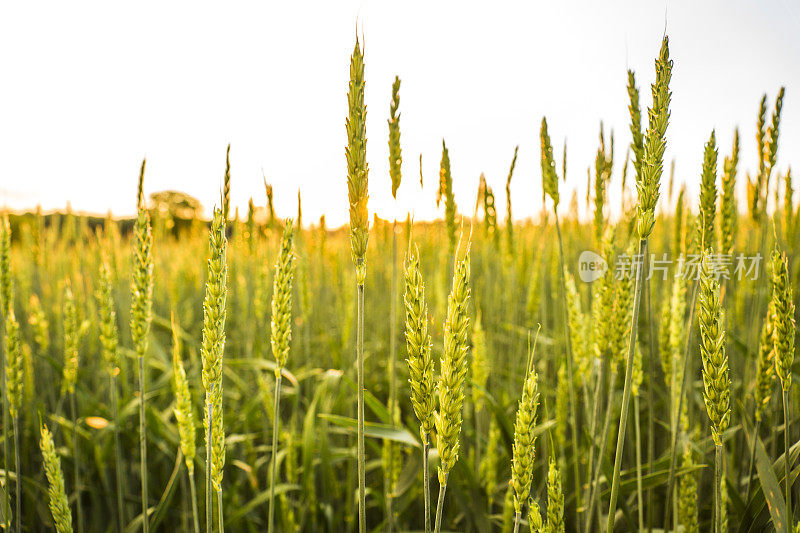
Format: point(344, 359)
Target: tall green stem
point(601, 376)
point(718, 489)
point(76, 461)
point(17, 475)
point(209, 502)
point(440, 505)
point(7, 499)
point(362, 516)
point(603, 446)
point(193, 489)
point(426, 485)
point(651, 365)
point(274, 453)
point(517, 518)
point(392, 383)
point(117, 454)
point(626, 391)
point(570, 372)
point(786, 461)
point(219, 511)
point(639, 503)
point(142, 446)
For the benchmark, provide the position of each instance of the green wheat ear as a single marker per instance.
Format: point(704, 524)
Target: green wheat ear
point(648, 184)
point(418, 344)
point(765, 363)
point(728, 209)
point(59, 505)
point(549, 176)
point(281, 336)
point(226, 188)
point(357, 168)
point(454, 369)
point(70, 372)
point(523, 446)
point(5, 264)
point(14, 362)
point(184, 413)
point(637, 144)
point(480, 365)
point(784, 326)
point(555, 500)
point(109, 336)
point(716, 381)
point(446, 191)
point(395, 153)
point(708, 192)
point(214, 343)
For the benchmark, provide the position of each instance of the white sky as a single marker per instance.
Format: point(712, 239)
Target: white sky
point(90, 88)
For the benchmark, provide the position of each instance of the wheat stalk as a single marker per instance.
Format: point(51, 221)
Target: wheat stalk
point(783, 335)
point(212, 349)
point(14, 385)
point(141, 315)
point(391, 457)
point(420, 365)
point(448, 418)
point(357, 182)
point(647, 185)
point(550, 188)
point(70, 378)
point(109, 339)
point(280, 338)
point(716, 381)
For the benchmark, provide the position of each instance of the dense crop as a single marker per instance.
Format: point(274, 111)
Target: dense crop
point(541, 400)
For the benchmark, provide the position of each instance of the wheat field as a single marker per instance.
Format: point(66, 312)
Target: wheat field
point(596, 368)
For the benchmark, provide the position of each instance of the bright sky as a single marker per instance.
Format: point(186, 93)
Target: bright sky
point(90, 88)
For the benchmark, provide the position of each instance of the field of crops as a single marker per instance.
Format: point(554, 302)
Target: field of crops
point(604, 367)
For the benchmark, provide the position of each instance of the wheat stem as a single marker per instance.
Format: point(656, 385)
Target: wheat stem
point(209, 508)
point(362, 520)
point(603, 445)
point(593, 428)
point(426, 484)
point(718, 489)
point(219, 511)
point(76, 460)
point(117, 454)
point(517, 519)
point(193, 489)
point(17, 475)
point(626, 390)
point(274, 453)
point(639, 506)
point(440, 504)
point(574, 430)
point(786, 461)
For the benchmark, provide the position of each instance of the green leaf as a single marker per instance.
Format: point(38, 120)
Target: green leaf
point(260, 499)
point(374, 430)
point(770, 488)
